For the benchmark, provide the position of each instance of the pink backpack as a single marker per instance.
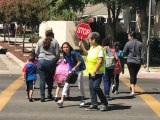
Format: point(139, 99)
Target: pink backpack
point(61, 72)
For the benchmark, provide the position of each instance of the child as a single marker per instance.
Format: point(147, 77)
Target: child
point(35, 62)
point(118, 68)
point(29, 74)
point(60, 76)
point(76, 64)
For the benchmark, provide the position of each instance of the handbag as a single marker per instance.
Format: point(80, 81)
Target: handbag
point(72, 78)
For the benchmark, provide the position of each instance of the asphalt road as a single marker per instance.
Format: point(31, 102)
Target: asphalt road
point(15, 106)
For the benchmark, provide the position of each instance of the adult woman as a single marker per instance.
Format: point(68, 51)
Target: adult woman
point(134, 48)
point(48, 54)
point(95, 66)
point(75, 61)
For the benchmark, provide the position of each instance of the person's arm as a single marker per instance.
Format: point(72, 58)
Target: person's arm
point(122, 61)
point(57, 51)
point(78, 63)
point(115, 54)
point(100, 61)
point(125, 50)
point(24, 72)
point(37, 51)
point(83, 47)
point(24, 76)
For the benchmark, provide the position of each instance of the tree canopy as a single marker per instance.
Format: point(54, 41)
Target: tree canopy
point(33, 11)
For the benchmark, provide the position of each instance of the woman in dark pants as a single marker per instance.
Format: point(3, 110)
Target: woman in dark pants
point(134, 49)
point(95, 67)
point(47, 50)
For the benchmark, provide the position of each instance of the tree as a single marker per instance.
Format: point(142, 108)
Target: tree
point(27, 11)
point(66, 9)
point(114, 9)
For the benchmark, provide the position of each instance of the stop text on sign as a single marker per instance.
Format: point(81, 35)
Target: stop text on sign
point(83, 31)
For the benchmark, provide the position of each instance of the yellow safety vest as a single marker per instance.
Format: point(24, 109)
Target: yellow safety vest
point(92, 60)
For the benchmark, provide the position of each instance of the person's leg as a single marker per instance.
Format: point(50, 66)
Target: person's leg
point(94, 84)
point(49, 78)
point(98, 90)
point(57, 92)
point(106, 83)
point(41, 73)
point(136, 70)
point(108, 80)
point(93, 96)
point(80, 85)
point(131, 68)
point(92, 92)
point(31, 88)
point(116, 82)
point(27, 89)
point(58, 89)
point(30, 93)
point(64, 93)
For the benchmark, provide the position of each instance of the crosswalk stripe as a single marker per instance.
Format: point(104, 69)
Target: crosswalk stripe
point(6, 94)
point(153, 103)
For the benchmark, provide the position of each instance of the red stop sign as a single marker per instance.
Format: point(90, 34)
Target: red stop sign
point(83, 30)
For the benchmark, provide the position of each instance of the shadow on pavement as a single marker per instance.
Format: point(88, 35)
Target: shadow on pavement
point(139, 93)
point(112, 107)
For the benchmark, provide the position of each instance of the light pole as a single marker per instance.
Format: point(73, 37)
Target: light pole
point(148, 40)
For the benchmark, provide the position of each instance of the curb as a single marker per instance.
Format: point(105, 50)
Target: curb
point(15, 59)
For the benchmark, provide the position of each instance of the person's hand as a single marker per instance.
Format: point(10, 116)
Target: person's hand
point(93, 74)
point(73, 69)
point(144, 65)
point(80, 42)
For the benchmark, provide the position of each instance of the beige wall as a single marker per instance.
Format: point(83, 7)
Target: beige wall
point(64, 31)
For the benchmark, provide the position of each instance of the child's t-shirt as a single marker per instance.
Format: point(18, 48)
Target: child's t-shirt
point(71, 59)
point(30, 70)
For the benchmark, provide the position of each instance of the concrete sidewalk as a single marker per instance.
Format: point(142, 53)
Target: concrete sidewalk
point(154, 71)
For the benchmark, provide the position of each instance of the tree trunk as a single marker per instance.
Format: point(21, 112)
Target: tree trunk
point(24, 35)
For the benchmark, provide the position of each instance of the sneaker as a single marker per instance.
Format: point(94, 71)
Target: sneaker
point(132, 93)
point(92, 108)
point(102, 107)
point(43, 100)
point(116, 92)
point(113, 88)
point(56, 99)
point(82, 103)
point(60, 103)
point(30, 100)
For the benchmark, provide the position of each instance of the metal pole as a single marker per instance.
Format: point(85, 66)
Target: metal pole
point(148, 40)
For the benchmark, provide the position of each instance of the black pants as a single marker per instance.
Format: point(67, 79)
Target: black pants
point(133, 71)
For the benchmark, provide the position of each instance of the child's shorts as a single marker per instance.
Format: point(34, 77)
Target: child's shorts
point(30, 84)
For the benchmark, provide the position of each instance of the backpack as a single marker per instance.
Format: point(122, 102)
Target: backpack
point(82, 66)
point(61, 72)
point(110, 58)
point(118, 67)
